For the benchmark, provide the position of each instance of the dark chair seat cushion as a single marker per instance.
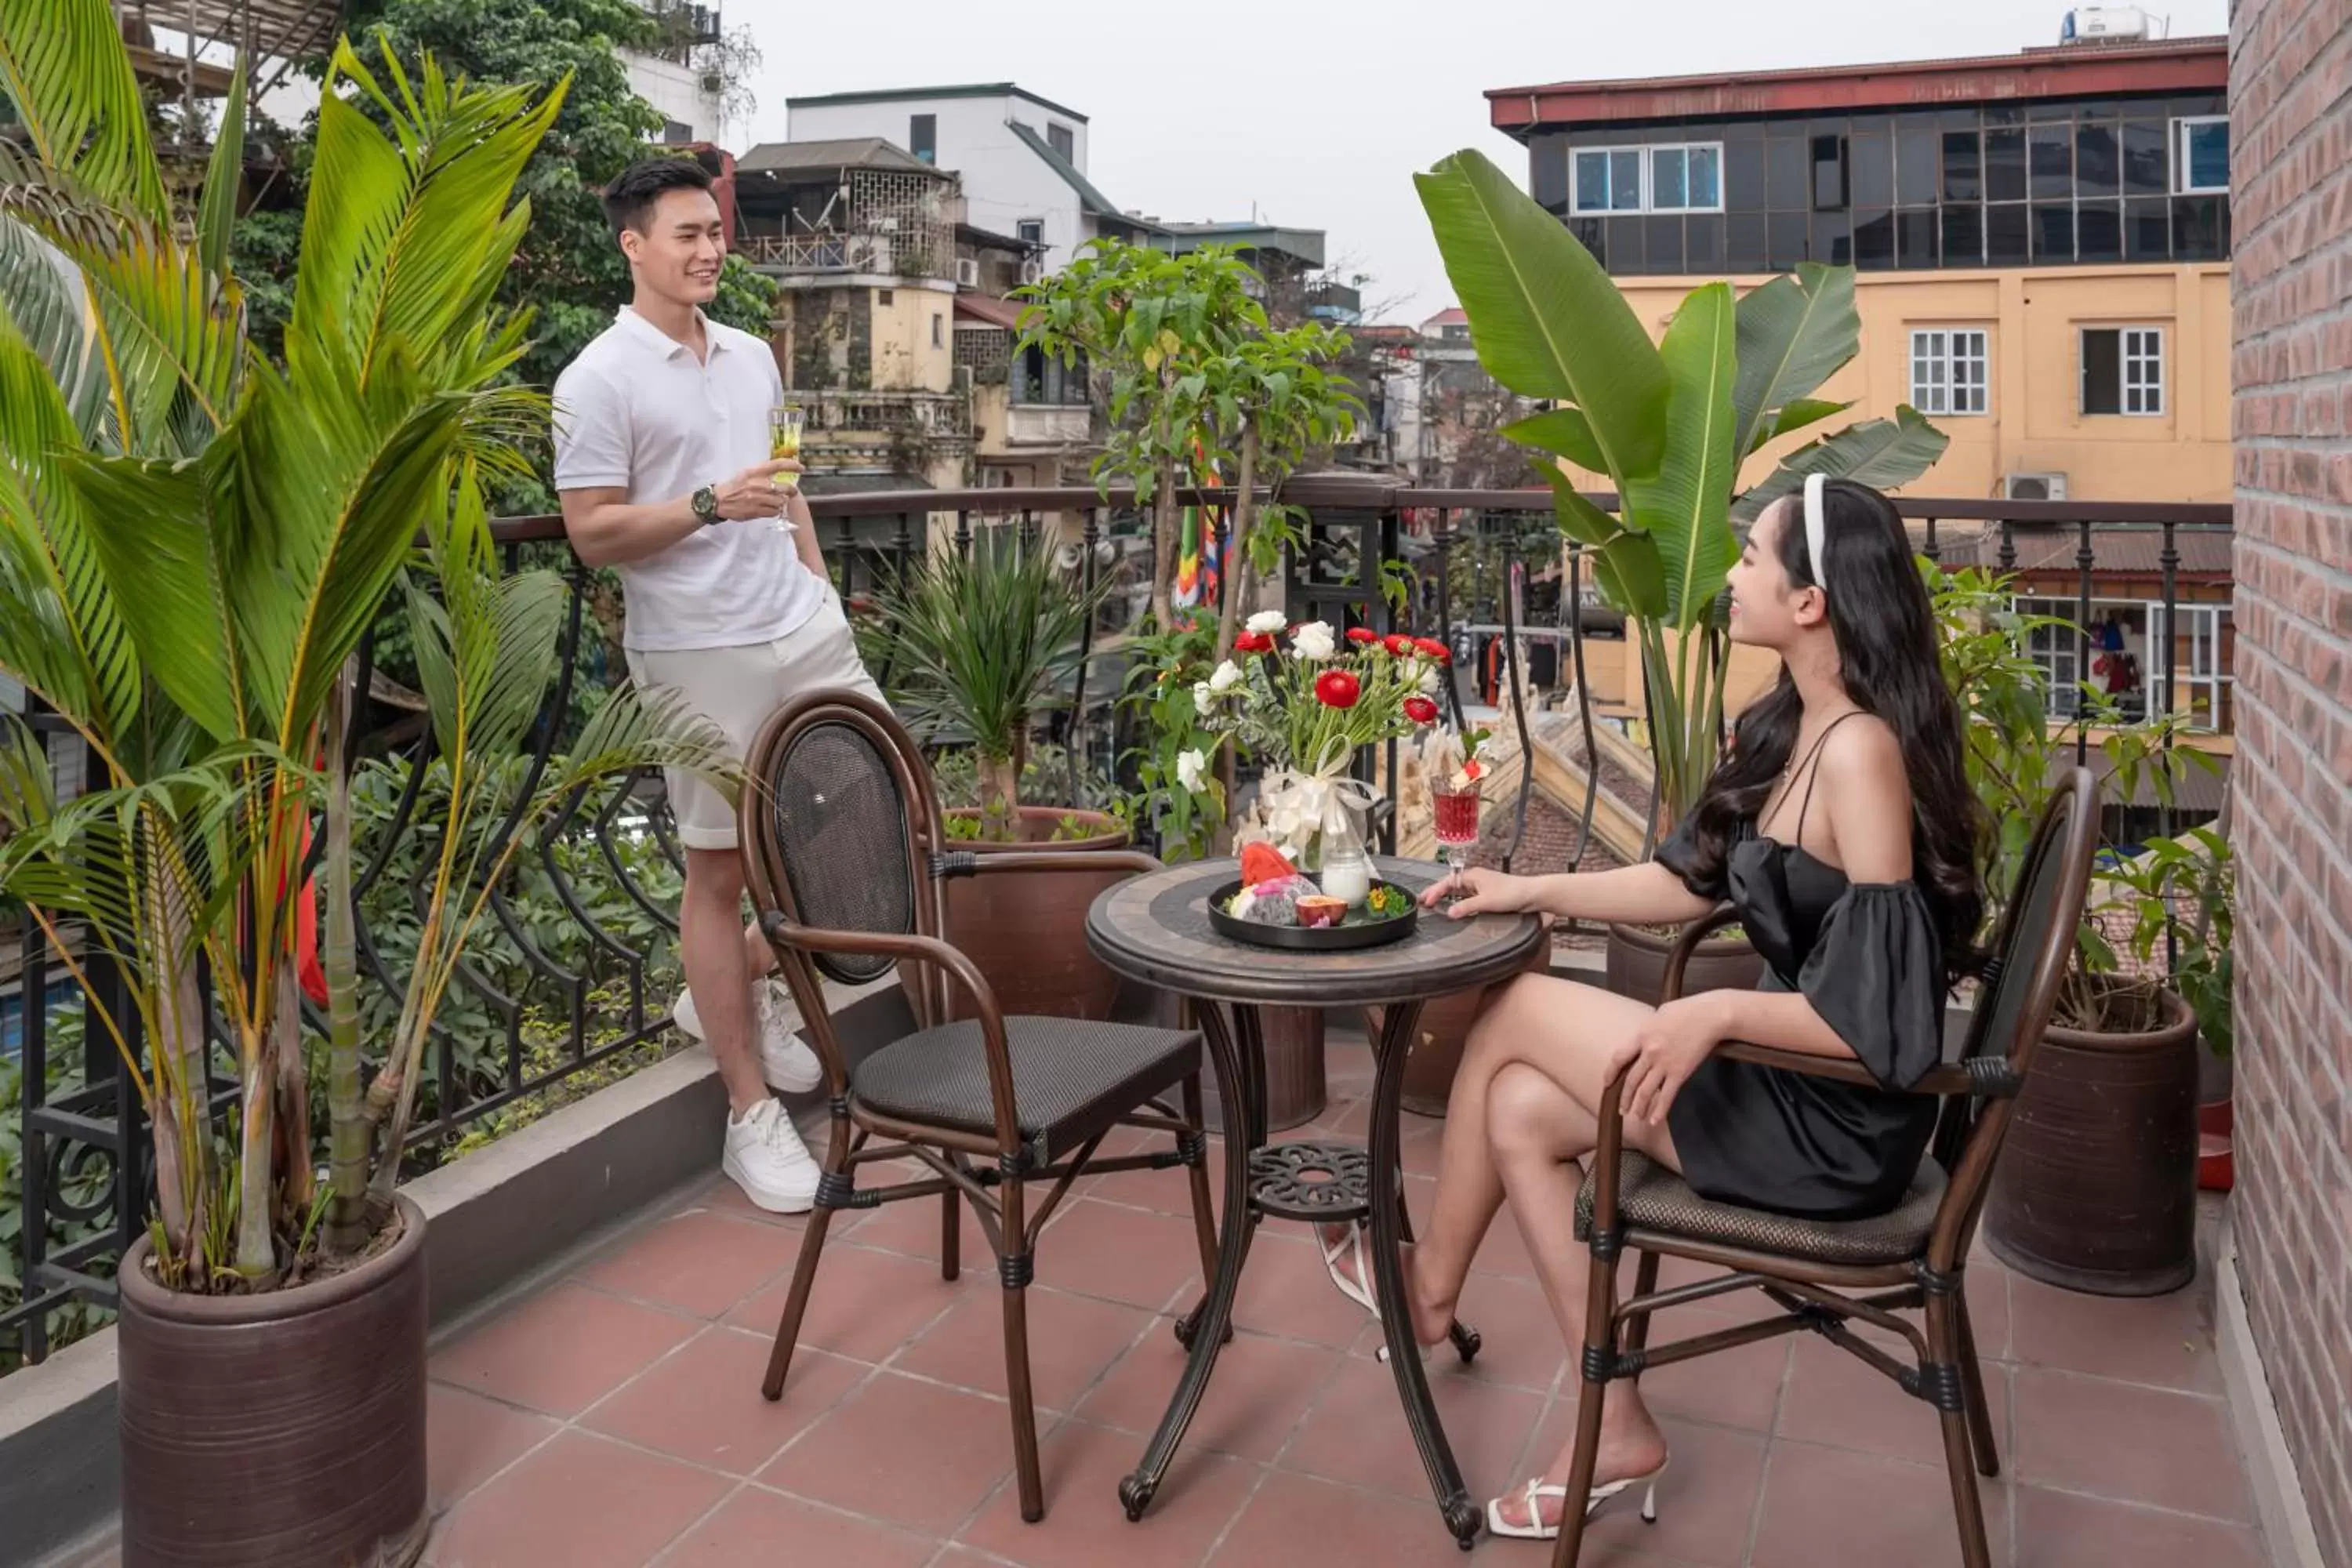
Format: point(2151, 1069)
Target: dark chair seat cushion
point(1072, 1079)
point(1651, 1197)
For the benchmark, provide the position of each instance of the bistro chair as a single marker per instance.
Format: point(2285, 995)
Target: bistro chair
point(1827, 1275)
point(847, 862)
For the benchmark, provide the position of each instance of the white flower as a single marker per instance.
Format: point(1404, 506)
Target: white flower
point(1430, 682)
point(1225, 677)
point(1204, 701)
point(1314, 641)
point(1269, 621)
point(1190, 768)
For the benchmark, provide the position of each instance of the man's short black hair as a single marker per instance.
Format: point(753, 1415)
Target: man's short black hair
point(629, 200)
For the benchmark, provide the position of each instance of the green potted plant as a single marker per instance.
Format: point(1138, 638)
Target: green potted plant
point(1673, 426)
point(192, 541)
point(982, 645)
point(2097, 1185)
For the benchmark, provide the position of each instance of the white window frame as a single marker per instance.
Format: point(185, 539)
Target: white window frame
point(2139, 370)
point(1944, 350)
point(2181, 126)
point(1036, 223)
point(2200, 678)
point(1646, 202)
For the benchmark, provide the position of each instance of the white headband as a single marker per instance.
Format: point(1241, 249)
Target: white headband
point(1814, 529)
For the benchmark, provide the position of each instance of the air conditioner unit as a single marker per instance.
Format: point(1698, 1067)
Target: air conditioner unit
point(1033, 271)
point(961, 380)
point(2033, 487)
point(967, 272)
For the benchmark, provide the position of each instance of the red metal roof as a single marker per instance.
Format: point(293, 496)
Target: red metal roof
point(2074, 70)
point(990, 309)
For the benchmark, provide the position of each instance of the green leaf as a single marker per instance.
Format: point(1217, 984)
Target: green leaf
point(1545, 320)
point(1794, 334)
point(1795, 416)
point(224, 177)
point(63, 66)
point(1881, 453)
point(1686, 508)
point(1564, 432)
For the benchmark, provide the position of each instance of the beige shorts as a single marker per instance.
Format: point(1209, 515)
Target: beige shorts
point(737, 688)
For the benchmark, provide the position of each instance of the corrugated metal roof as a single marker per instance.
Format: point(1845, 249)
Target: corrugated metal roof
point(992, 308)
point(1093, 200)
point(2115, 551)
point(846, 153)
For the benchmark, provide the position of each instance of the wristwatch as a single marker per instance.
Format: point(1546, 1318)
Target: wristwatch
point(705, 504)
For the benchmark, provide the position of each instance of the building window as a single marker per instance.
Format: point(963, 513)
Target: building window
point(1062, 140)
point(1032, 230)
point(1676, 177)
point(923, 137)
point(2201, 154)
point(1948, 370)
point(2123, 371)
point(882, 296)
point(937, 340)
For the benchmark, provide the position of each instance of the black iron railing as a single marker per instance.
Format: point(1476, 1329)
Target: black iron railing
point(574, 971)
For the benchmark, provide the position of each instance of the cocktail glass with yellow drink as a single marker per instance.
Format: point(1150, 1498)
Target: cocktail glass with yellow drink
point(785, 422)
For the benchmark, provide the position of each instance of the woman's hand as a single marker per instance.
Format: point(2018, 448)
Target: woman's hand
point(1484, 891)
point(1662, 1054)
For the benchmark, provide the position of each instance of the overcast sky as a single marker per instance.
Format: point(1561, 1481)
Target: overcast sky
point(1319, 114)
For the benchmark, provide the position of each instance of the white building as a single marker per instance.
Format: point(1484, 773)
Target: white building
point(680, 78)
point(1022, 158)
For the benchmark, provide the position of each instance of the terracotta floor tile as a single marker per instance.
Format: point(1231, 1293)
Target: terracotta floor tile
point(1123, 1255)
point(1167, 1191)
point(1990, 1311)
point(703, 1404)
point(1261, 1389)
point(580, 1501)
point(865, 1304)
point(1519, 1343)
point(1836, 1400)
point(2059, 1529)
point(1706, 1498)
point(2166, 1340)
point(1295, 1520)
point(1832, 1505)
point(755, 1526)
point(912, 1227)
point(1286, 1293)
point(562, 1350)
point(469, 1439)
point(1085, 1524)
point(1348, 1067)
point(913, 1454)
point(1357, 1432)
point(2128, 1443)
point(1071, 1340)
point(1739, 1387)
point(699, 1262)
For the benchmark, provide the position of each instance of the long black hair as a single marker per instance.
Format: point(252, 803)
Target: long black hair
point(1885, 625)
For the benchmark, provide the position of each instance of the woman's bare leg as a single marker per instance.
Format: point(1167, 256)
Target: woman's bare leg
point(1540, 1132)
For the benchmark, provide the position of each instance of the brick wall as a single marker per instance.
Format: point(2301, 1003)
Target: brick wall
point(2291, 126)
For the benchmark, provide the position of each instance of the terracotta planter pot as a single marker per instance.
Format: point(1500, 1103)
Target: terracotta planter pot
point(284, 1430)
point(1027, 933)
point(1296, 1093)
point(1637, 966)
point(2096, 1189)
point(2216, 1164)
point(1445, 1030)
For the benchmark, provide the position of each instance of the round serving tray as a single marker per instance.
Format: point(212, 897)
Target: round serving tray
point(1313, 939)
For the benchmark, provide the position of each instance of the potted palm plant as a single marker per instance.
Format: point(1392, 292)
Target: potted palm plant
point(2097, 1185)
point(193, 543)
point(981, 644)
point(1672, 426)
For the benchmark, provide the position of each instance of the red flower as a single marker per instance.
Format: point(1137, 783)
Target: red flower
point(1338, 689)
point(1361, 635)
point(1421, 710)
point(1398, 643)
point(1253, 642)
point(1434, 649)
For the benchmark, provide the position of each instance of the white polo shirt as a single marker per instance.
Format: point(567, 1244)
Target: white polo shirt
point(637, 411)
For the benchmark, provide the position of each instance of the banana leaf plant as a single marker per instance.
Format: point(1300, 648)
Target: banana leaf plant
point(193, 541)
point(1673, 425)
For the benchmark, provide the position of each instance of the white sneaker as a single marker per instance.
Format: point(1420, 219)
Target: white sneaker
point(786, 1058)
point(765, 1157)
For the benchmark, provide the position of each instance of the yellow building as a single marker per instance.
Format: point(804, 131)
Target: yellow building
point(2042, 241)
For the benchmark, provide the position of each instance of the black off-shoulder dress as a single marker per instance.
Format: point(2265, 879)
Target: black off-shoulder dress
point(1868, 958)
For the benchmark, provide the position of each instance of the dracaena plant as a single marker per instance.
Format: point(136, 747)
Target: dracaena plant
point(193, 543)
point(1673, 426)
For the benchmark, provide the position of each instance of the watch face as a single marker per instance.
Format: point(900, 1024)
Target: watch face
point(705, 502)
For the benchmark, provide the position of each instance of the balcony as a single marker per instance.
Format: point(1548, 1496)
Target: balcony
point(1048, 424)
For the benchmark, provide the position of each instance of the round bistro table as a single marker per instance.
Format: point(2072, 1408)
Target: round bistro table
point(1155, 930)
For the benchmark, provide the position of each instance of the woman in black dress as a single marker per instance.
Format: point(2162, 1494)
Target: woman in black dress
point(1842, 825)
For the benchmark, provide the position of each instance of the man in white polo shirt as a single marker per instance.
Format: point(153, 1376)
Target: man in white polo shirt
point(661, 457)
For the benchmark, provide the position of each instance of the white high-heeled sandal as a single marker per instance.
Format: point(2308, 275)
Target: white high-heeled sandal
point(1351, 1243)
point(1538, 1492)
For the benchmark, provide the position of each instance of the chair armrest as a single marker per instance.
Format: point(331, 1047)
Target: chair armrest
point(780, 929)
point(1989, 1077)
point(965, 863)
point(1694, 933)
